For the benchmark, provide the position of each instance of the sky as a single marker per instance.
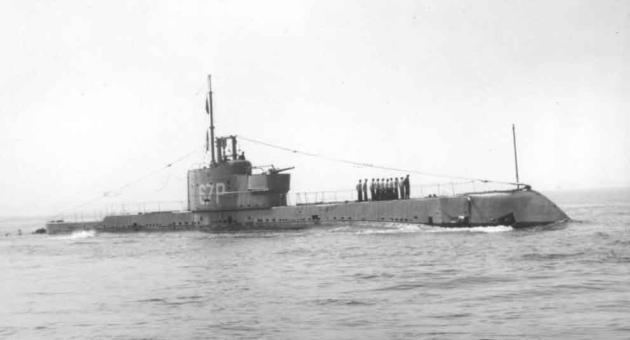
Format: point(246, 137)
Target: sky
point(97, 98)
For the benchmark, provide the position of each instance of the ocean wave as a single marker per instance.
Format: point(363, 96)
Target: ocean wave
point(551, 256)
point(343, 302)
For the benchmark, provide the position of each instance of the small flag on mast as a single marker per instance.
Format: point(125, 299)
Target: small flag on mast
point(208, 104)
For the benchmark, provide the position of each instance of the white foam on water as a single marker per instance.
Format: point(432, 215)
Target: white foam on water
point(492, 229)
point(394, 229)
point(402, 228)
point(78, 235)
point(482, 229)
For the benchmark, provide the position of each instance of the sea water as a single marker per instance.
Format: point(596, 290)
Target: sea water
point(348, 281)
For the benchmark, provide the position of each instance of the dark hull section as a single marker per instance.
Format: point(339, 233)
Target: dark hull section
point(513, 208)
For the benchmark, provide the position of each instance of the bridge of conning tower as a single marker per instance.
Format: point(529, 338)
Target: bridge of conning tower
point(229, 183)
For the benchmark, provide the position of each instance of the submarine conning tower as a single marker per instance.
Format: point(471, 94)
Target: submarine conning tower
point(229, 184)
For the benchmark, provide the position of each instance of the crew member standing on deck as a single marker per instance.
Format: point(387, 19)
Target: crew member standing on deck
point(392, 190)
point(372, 188)
point(381, 189)
point(407, 187)
point(396, 189)
point(401, 188)
point(365, 186)
point(359, 188)
point(384, 190)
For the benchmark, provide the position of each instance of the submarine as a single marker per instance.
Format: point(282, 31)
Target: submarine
point(230, 193)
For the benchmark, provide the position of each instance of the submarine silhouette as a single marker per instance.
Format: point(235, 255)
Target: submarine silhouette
point(227, 194)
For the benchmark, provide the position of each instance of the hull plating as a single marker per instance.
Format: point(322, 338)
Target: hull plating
point(513, 208)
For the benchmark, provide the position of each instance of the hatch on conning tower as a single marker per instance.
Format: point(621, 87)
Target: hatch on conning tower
point(228, 183)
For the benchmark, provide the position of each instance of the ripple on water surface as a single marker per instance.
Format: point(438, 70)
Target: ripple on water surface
point(354, 280)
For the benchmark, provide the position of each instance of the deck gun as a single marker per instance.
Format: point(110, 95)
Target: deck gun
point(274, 171)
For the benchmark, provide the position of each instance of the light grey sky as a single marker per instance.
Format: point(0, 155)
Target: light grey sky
point(96, 94)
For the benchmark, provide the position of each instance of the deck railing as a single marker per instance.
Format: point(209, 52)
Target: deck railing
point(127, 208)
point(416, 191)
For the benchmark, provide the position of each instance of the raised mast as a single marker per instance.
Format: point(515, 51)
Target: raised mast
point(211, 113)
point(515, 156)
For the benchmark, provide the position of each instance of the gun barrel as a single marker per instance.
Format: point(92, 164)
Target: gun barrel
point(275, 171)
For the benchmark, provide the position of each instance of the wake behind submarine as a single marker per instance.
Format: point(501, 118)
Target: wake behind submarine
point(227, 194)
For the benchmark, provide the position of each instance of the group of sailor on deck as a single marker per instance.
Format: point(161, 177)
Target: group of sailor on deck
point(383, 189)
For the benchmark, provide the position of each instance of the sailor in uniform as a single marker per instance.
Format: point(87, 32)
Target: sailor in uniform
point(372, 190)
point(392, 190)
point(401, 187)
point(359, 191)
point(365, 192)
point(384, 189)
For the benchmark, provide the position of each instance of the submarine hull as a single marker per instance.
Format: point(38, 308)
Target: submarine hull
point(518, 208)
